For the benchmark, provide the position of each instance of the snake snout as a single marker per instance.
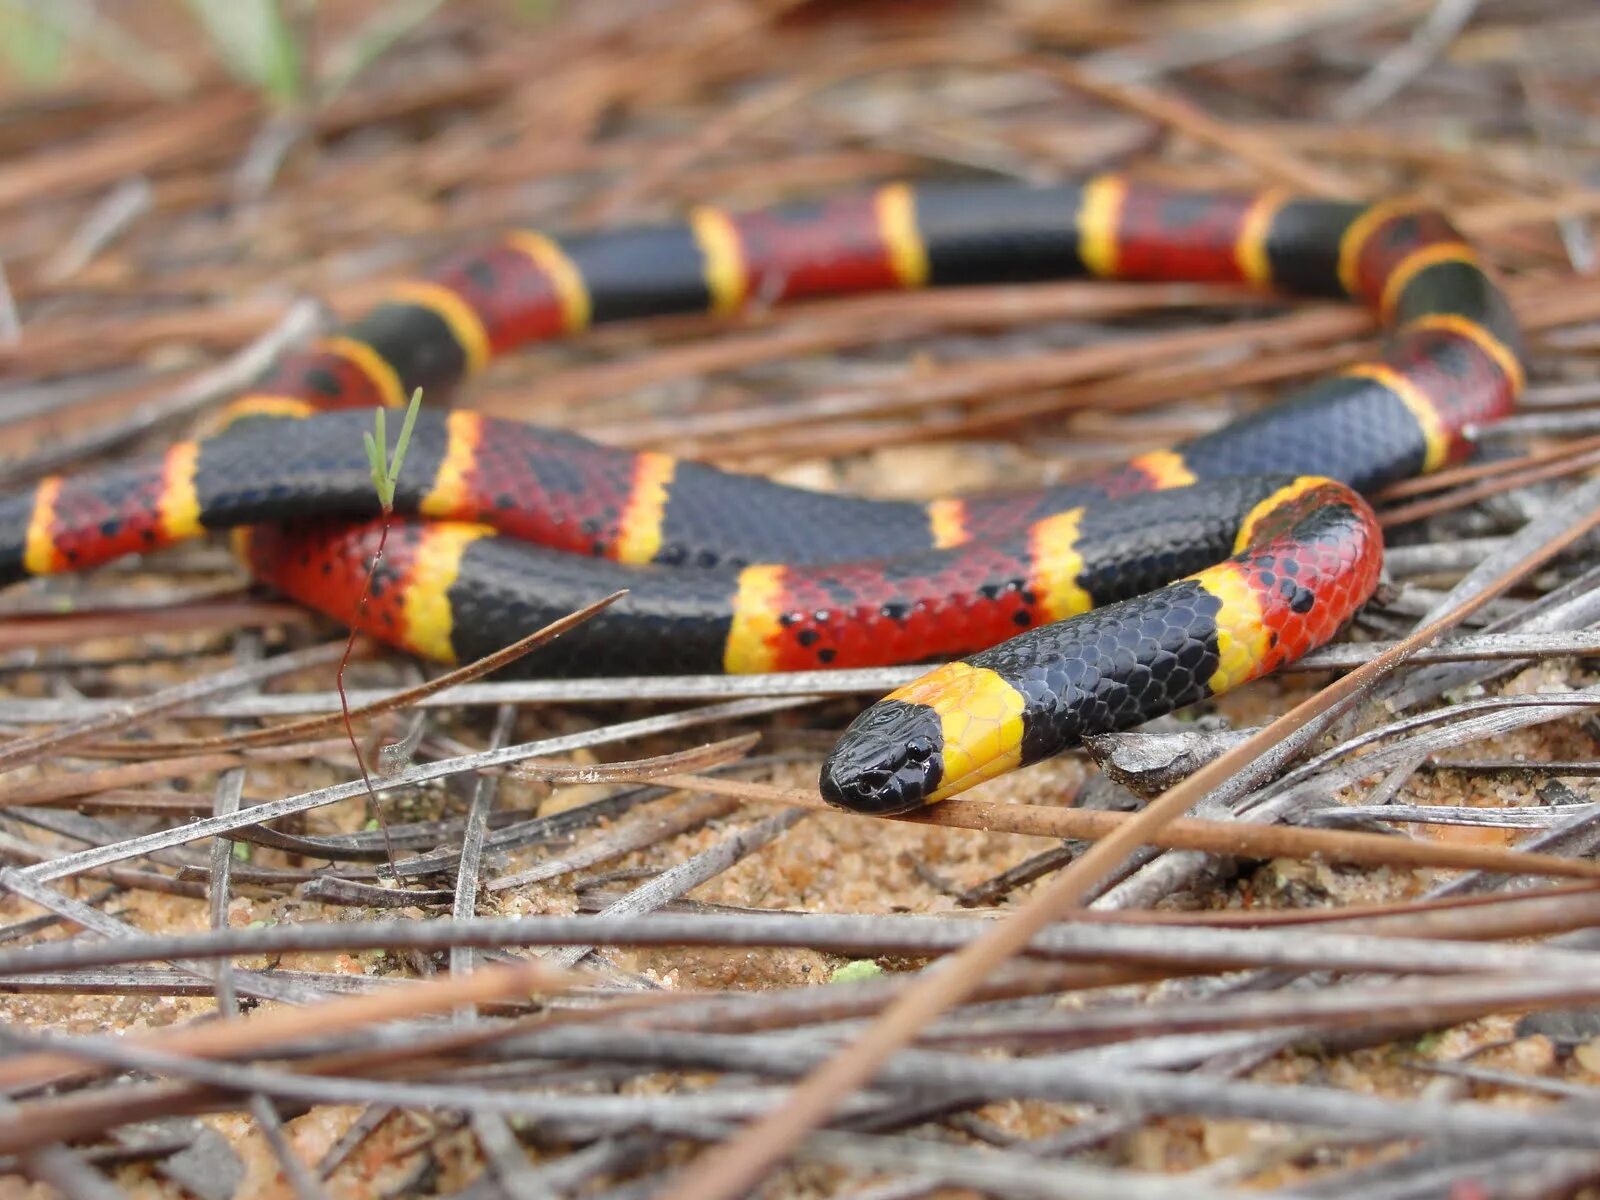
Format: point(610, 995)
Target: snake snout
point(888, 761)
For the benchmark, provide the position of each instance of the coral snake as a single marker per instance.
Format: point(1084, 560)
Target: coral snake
point(1260, 524)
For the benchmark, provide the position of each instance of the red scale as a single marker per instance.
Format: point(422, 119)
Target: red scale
point(319, 563)
point(1172, 235)
point(568, 517)
point(511, 294)
point(1391, 243)
point(89, 527)
point(1465, 384)
point(838, 248)
point(326, 379)
point(941, 614)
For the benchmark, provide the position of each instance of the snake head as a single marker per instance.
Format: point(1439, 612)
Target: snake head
point(888, 761)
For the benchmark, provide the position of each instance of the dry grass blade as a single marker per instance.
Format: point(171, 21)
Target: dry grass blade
point(634, 835)
point(69, 864)
point(126, 148)
point(1227, 838)
point(72, 629)
point(1444, 941)
point(641, 770)
point(1557, 467)
point(1272, 160)
point(683, 878)
point(833, 325)
point(148, 708)
point(298, 730)
point(1473, 472)
point(72, 785)
point(143, 409)
point(265, 1030)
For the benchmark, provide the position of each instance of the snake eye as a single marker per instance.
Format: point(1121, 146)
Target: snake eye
point(919, 748)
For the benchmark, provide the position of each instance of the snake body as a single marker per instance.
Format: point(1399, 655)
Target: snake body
point(1085, 607)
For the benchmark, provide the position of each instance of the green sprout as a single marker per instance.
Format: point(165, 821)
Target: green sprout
point(385, 475)
point(856, 971)
point(386, 472)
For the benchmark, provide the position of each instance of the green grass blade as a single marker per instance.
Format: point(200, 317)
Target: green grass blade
point(377, 35)
point(405, 436)
point(257, 42)
point(34, 48)
point(375, 464)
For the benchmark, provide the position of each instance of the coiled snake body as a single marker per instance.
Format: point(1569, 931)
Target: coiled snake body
point(1086, 607)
